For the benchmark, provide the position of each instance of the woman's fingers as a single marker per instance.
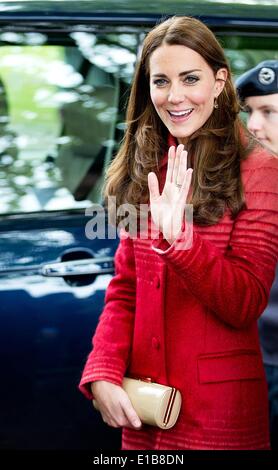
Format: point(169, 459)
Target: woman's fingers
point(186, 184)
point(121, 415)
point(115, 406)
point(130, 413)
point(170, 166)
point(153, 186)
point(182, 168)
point(177, 160)
point(177, 164)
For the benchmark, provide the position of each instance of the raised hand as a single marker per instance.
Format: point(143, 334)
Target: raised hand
point(168, 208)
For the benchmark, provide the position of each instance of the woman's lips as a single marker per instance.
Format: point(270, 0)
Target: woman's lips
point(178, 116)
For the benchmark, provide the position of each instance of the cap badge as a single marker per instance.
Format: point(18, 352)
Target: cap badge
point(266, 76)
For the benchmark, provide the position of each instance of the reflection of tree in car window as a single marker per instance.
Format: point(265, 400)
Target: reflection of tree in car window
point(8, 149)
point(89, 121)
point(62, 104)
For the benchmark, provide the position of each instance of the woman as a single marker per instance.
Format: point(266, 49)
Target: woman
point(182, 310)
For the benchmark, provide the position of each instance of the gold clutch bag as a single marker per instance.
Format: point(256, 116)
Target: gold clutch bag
point(155, 404)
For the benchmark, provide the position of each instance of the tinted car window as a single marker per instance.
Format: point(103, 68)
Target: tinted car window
point(246, 51)
point(59, 103)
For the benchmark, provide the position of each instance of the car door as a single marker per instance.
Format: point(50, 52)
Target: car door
point(61, 119)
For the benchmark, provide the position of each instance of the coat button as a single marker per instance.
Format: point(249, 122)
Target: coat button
point(155, 343)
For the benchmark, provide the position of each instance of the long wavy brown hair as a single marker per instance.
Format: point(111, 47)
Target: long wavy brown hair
point(217, 146)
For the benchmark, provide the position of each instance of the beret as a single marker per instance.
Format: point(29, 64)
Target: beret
point(260, 80)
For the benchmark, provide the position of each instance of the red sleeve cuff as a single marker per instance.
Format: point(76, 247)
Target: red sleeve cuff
point(101, 369)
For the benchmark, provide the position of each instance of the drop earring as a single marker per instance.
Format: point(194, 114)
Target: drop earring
point(215, 103)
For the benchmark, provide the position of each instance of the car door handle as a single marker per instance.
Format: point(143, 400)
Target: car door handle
point(79, 267)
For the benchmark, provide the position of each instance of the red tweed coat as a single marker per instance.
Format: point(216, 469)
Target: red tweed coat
point(188, 318)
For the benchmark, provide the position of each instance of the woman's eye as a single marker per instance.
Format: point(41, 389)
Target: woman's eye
point(160, 82)
point(191, 79)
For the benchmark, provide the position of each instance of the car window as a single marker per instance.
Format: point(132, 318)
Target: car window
point(246, 51)
point(62, 106)
point(62, 109)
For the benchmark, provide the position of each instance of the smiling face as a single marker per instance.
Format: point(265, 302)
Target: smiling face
point(183, 89)
point(262, 119)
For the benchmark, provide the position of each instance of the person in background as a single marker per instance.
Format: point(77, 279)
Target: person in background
point(182, 308)
point(258, 90)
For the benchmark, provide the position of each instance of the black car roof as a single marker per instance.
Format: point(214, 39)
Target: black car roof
point(253, 9)
point(256, 16)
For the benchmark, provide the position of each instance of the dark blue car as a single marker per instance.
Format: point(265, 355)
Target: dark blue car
point(65, 72)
